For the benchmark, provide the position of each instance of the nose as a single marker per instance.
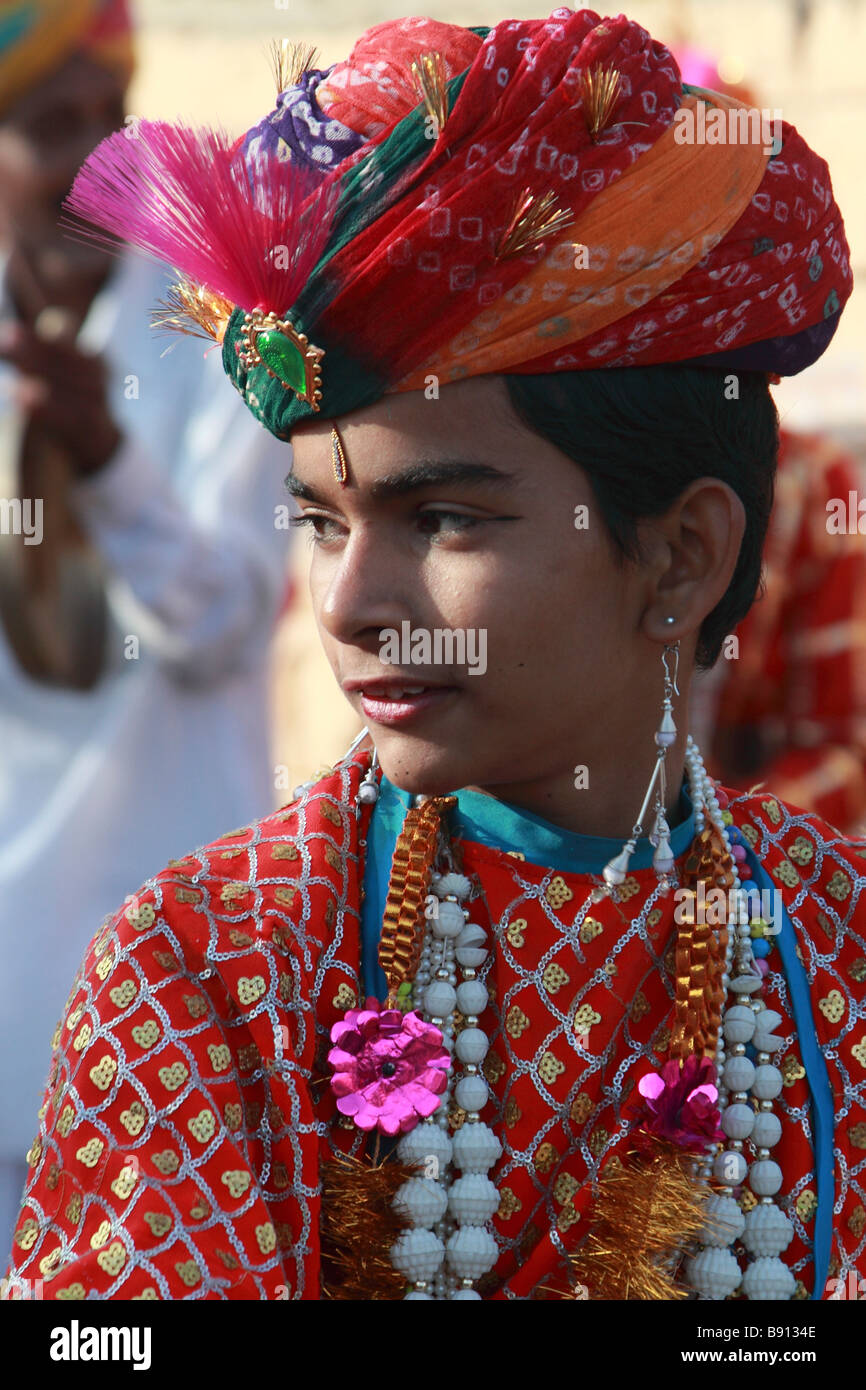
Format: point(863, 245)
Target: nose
point(364, 592)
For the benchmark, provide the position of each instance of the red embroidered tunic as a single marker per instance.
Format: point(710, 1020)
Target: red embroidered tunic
point(188, 1106)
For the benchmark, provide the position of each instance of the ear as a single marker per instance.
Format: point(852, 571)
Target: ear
point(690, 552)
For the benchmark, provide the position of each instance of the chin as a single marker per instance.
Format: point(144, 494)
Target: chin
point(424, 769)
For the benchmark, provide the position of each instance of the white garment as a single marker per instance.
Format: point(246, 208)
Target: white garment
point(99, 789)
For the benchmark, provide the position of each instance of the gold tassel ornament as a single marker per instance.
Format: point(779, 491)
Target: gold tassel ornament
point(430, 79)
point(533, 220)
point(648, 1210)
point(600, 90)
point(194, 310)
point(358, 1227)
point(289, 62)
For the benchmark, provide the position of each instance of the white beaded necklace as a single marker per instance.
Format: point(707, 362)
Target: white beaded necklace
point(765, 1231)
point(448, 1245)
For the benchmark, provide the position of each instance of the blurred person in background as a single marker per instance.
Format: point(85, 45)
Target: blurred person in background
point(786, 706)
point(141, 571)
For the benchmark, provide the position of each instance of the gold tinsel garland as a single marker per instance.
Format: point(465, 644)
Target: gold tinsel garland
point(647, 1211)
point(358, 1227)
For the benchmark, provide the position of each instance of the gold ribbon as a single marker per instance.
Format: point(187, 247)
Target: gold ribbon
point(403, 924)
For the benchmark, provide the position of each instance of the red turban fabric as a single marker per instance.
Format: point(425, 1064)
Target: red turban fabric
point(673, 227)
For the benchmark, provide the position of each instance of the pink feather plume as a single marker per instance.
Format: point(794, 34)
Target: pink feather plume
point(252, 232)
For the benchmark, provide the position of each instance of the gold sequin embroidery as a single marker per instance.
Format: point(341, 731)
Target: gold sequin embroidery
point(158, 1222)
point(266, 1238)
point(140, 916)
point(90, 1153)
point(134, 1119)
point(100, 1235)
point(786, 873)
point(516, 1022)
point(174, 1076)
point(26, 1234)
point(124, 1184)
point(508, 1204)
point(104, 964)
point(166, 1162)
point(220, 1056)
point(123, 994)
point(585, 1017)
point(832, 1006)
point(857, 1221)
point(564, 1188)
point(567, 1218)
point(581, 1108)
point(558, 892)
point(792, 1070)
point(113, 1259)
point(639, 1007)
point(554, 978)
point(202, 1126)
point(189, 1272)
point(515, 933)
point(146, 1034)
point(839, 886)
point(598, 1141)
point(493, 1068)
point(589, 929)
point(806, 1204)
point(236, 1180)
point(545, 1157)
point(550, 1068)
point(802, 851)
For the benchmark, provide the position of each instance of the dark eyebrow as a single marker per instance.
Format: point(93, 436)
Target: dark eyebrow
point(423, 473)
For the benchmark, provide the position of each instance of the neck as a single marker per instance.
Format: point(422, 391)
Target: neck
point(609, 803)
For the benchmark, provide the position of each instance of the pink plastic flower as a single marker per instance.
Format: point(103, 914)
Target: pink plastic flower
point(389, 1068)
point(680, 1103)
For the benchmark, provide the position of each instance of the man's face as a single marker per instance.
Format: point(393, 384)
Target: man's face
point(44, 140)
point(456, 517)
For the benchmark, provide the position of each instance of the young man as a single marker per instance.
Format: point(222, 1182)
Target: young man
point(581, 1025)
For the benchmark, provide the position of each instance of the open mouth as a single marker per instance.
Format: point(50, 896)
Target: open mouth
point(392, 703)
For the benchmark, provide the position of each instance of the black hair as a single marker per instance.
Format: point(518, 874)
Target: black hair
point(642, 434)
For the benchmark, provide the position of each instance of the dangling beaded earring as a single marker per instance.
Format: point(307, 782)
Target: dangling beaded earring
point(368, 791)
point(616, 871)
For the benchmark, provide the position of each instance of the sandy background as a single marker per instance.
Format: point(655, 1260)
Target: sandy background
point(206, 60)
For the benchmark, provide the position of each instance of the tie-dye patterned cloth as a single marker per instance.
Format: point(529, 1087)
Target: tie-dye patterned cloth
point(682, 245)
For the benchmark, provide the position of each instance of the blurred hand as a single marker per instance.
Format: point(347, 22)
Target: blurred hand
point(62, 390)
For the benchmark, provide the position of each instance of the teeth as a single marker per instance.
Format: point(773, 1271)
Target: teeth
point(398, 694)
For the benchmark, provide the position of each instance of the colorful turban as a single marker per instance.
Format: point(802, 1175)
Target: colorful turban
point(37, 36)
point(451, 202)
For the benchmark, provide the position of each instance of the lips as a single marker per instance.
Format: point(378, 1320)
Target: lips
point(397, 701)
point(390, 687)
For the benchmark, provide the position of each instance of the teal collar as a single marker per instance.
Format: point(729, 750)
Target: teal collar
point(485, 820)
